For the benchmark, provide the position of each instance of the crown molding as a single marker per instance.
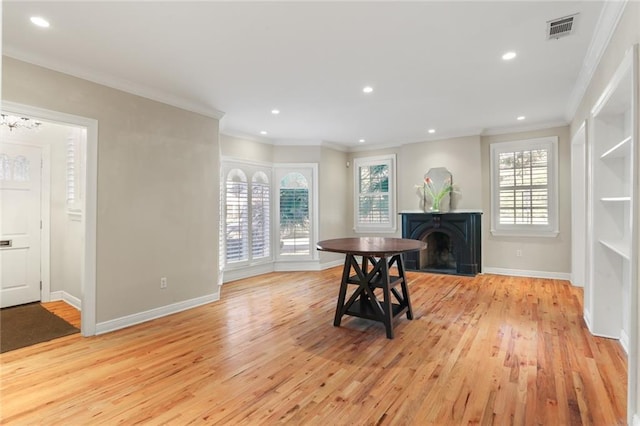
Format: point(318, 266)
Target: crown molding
point(465, 133)
point(246, 136)
point(114, 83)
point(607, 22)
point(525, 128)
point(283, 142)
point(335, 146)
point(397, 145)
point(297, 142)
point(311, 142)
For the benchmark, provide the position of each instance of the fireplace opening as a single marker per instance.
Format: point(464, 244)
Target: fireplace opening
point(453, 242)
point(440, 254)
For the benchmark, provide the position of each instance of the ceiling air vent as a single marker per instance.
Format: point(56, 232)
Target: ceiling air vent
point(561, 27)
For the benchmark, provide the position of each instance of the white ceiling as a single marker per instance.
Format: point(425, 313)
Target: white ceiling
point(431, 64)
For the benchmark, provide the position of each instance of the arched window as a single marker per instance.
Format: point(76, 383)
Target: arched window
point(295, 224)
point(237, 216)
point(260, 211)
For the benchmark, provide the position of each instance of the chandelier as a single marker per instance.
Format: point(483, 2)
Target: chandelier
point(14, 122)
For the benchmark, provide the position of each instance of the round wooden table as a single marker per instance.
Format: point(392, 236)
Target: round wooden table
point(381, 254)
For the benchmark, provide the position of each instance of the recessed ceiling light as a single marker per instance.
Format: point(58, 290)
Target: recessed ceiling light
point(431, 130)
point(509, 56)
point(362, 141)
point(275, 111)
point(522, 117)
point(367, 89)
point(41, 22)
point(263, 132)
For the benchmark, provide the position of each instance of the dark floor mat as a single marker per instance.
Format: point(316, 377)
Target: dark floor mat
point(26, 325)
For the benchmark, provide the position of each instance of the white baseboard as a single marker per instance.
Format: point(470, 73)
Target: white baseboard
point(66, 297)
point(624, 341)
point(331, 264)
point(587, 318)
point(605, 335)
point(250, 271)
point(292, 266)
point(574, 283)
point(525, 273)
point(129, 320)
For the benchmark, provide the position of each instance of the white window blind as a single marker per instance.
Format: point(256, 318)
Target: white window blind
point(237, 216)
point(260, 215)
point(524, 186)
point(295, 224)
point(374, 197)
point(74, 183)
point(71, 180)
point(246, 220)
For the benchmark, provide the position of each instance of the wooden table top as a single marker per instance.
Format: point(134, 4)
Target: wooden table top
point(371, 246)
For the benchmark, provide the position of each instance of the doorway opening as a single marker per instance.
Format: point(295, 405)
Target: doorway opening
point(68, 219)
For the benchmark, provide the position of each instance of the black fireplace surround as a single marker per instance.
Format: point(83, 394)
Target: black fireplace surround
point(453, 242)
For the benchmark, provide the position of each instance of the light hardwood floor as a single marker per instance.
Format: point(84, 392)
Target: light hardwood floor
point(64, 311)
point(484, 350)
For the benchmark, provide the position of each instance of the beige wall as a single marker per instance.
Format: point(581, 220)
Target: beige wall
point(468, 160)
point(333, 175)
point(158, 189)
point(461, 156)
point(546, 254)
point(297, 154)
point(238, 148)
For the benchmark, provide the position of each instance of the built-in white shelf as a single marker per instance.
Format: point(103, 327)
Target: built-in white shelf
point(615, 199)
point(619, 150)
point(620, 247)
point(612, 233)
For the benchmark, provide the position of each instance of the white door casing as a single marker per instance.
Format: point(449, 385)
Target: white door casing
point(20, 233)
point(90, 176)
point(579, 209)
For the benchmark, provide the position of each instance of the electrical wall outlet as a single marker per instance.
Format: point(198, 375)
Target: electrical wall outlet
point(519, 253)
point(163, 282)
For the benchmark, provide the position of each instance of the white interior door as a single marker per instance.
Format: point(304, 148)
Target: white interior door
point(20, 209)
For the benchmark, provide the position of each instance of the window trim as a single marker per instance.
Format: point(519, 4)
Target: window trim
point(249, 168)
point(525, 230)
point(358, 162)
point(280, 170)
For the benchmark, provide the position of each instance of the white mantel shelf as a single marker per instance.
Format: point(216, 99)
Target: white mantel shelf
point(450, 211)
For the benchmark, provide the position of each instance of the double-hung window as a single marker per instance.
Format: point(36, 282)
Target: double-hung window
point(524, 182)
point(374, 184)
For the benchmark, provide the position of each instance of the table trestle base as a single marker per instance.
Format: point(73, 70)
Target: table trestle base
point(363, 302)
